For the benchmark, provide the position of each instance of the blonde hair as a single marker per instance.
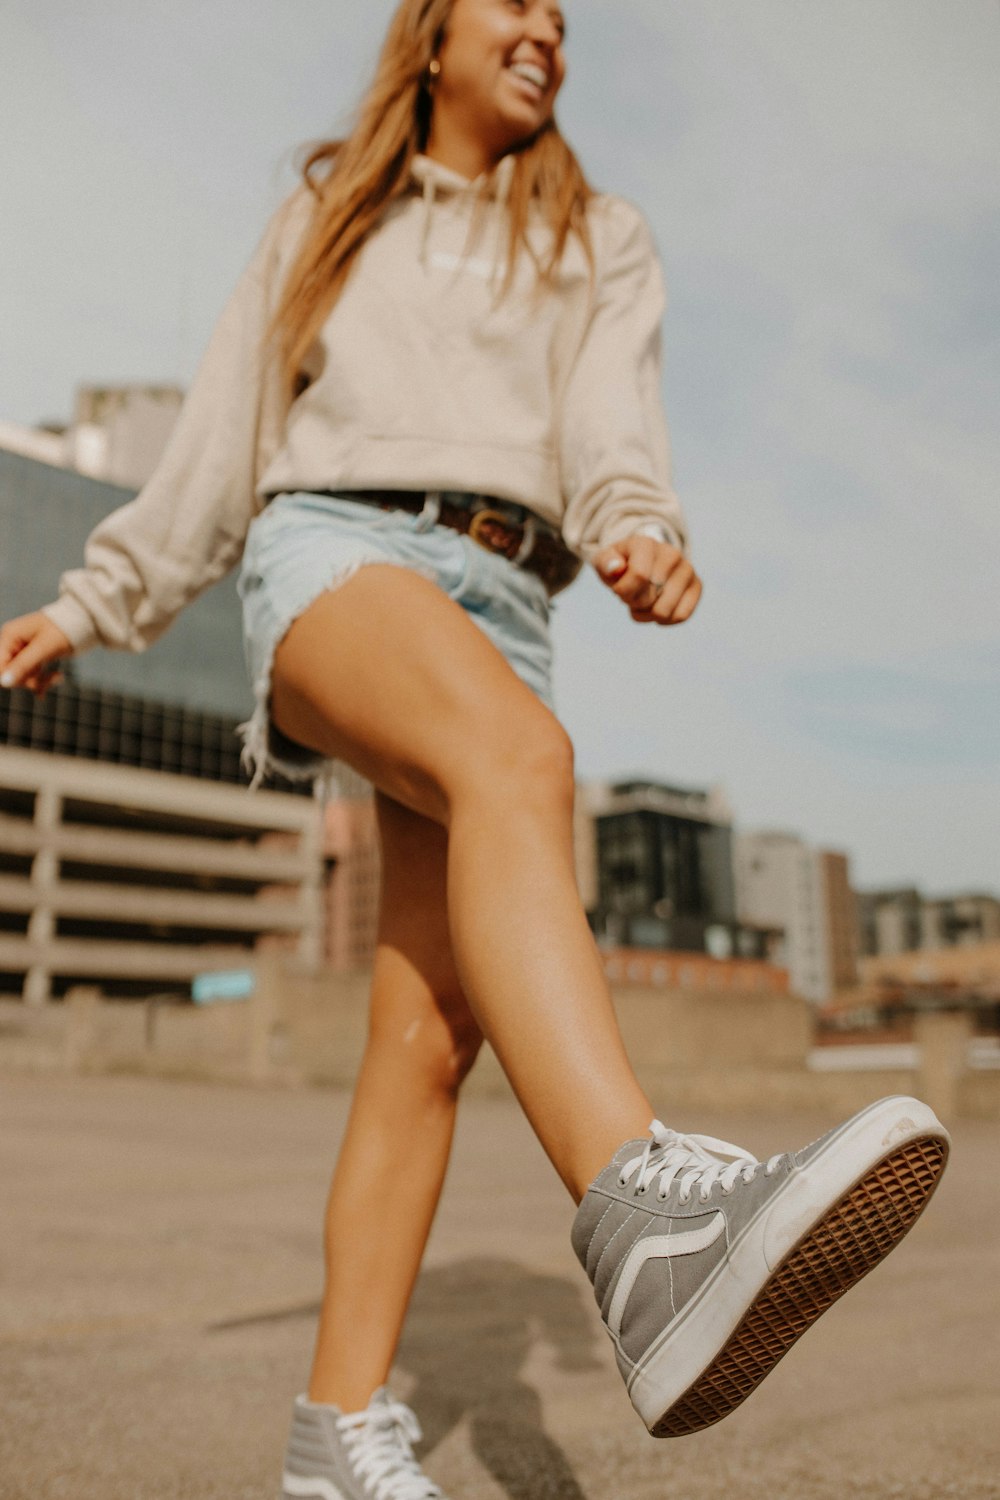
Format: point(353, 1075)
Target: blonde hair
point(371, 168)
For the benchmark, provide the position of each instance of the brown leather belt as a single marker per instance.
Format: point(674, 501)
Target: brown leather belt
point(498, 525)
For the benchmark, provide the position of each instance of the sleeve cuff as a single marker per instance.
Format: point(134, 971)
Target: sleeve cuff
point(74, 622)
point(657, 531)
point(660, 531)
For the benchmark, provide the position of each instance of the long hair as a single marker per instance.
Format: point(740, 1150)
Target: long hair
point(354, 181)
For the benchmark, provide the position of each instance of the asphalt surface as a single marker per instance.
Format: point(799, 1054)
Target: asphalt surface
point(159, 1271)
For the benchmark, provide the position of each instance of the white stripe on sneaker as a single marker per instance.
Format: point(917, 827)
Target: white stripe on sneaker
point(658, 1247)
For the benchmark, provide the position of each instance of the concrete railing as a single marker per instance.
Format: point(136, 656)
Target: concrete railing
point(115, 874)
point(695, 1053)
point(713, 1050)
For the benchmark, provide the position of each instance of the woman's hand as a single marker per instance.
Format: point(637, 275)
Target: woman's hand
point(29, 648)
point(655, 580)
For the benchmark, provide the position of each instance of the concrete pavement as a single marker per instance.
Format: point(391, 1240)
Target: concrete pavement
point(159, 1270)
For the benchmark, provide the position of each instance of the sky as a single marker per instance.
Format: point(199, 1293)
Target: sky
point(823, 182)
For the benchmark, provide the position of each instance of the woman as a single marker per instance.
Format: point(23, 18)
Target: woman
point(438, 385)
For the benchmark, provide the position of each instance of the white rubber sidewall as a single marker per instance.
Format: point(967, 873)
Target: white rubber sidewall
point(807, 1194)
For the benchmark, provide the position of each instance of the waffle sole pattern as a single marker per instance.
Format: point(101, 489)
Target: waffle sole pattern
point(848, 1242)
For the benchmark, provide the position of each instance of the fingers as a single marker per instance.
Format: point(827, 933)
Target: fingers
point(11, 641)
point(30, 648)
point(628, 568)
point(666, 612)
point(654, 579)
point(39, 682)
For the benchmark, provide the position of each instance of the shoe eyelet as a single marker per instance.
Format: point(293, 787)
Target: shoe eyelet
point(641, 1192)
point(662, 1196)
point(622, 1181)
point(703, 1197)
point(684, 1199)
point(727, 1191)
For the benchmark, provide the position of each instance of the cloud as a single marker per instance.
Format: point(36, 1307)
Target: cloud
point(943, 716)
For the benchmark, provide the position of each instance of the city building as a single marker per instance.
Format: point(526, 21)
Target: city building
point(174, 707)
point(585, 849)
point(905, 921)
point(138, 881)
point(783, 884)
point(890, 921)
point(697, 972)
point(660, 864)
point(131, 856)
point(46, 515)
point(354, 862)
point(963, 921)
point(841, 919)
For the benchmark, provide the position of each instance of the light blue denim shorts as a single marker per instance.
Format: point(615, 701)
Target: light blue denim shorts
point(304, 544)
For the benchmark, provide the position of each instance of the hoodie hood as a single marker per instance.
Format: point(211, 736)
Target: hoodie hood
point(435, 175)
point(436, 180)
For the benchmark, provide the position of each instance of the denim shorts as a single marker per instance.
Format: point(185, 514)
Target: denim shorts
point(303, 544)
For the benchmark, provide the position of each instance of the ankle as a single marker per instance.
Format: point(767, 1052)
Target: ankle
point(348, 1396)
point(590, 1157)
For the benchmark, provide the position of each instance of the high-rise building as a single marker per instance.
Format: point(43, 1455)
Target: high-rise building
point(664, 875)
point(783, 883)
point(842, 919)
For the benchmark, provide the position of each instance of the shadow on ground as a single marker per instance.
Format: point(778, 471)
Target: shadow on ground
point(471, 1328)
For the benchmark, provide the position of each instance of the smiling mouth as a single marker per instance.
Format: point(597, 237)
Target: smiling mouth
point(535, 79)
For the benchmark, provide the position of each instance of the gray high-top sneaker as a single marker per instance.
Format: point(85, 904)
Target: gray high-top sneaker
point(707, 1264)
point(366, 1455)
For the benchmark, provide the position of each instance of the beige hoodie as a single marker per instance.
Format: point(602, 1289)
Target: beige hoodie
point(420, 379)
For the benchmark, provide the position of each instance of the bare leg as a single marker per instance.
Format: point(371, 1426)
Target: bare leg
point(422, 1042)
point(447, 728)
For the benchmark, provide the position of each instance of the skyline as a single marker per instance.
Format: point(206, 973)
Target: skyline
point(823, 189)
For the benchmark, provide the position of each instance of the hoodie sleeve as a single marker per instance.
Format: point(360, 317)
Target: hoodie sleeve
point(614, 447)
point(186, 528)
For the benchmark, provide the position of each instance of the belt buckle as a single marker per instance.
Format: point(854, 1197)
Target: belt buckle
point(483, 518)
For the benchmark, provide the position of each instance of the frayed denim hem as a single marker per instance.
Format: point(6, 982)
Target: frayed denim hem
point(260, 761)
point(258, 758)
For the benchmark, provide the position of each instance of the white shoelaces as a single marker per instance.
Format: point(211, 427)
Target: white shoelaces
point(379, 1441)
point(695, 1159)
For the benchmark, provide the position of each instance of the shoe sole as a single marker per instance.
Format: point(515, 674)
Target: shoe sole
point(841, 1247)
point(293, 1487)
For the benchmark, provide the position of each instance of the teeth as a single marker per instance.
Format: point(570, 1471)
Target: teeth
point(537, 76)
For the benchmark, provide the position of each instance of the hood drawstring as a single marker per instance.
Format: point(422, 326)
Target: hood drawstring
point(431, 176)
point(504, 183)
point(430, 194)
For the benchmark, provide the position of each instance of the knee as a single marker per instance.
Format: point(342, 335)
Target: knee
point(449, 1051)
point(439, 1048)
point(465, 1041)
point(527, 762)
point(542, 767)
